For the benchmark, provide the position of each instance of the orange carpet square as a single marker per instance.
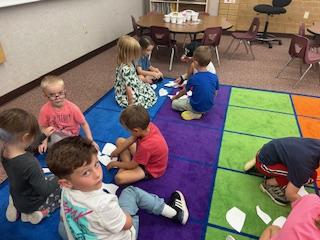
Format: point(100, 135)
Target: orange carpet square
point(310, 127)
point(307, 106)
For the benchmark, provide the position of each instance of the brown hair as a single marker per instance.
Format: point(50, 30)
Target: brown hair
point(49, 80)
point(69, 154)
point(202, 55)
point(145, 42)
point(19, 122)
point(135, 116)
point(128, 50)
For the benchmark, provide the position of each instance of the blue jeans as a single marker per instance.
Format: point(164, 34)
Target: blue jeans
point(131, 200)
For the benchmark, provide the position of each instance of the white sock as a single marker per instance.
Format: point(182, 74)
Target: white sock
point(168, 211)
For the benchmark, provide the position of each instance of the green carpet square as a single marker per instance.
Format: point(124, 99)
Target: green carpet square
point(237, 149)
point(217, 234)
point(261, 123)
point(239, 190)
point(271, 101)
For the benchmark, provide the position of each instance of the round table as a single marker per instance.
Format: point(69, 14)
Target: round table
point(188, 27)
point(314, 29)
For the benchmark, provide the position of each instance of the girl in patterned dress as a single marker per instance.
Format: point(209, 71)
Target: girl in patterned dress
point(129, 89)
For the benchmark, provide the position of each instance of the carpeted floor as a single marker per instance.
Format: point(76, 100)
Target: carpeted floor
point(205, 162)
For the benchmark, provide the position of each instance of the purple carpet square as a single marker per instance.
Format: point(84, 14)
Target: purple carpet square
point(223, 95)
point(192, 179)
point(190, 141)
point(159, 228)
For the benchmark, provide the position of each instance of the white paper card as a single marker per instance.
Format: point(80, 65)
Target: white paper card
point(170, 96)
point(46, 170)
point(171, 84)
point(154, 86)
point(163, 92)
point(264, 217)
point(189, 93)
point(110, 187)
point(302, 192)
point(279, 221)
point(236, 218)
point(108, 148)
point(99, 153)
point(229, 237)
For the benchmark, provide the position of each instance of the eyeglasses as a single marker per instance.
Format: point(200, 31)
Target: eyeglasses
point(54, 96)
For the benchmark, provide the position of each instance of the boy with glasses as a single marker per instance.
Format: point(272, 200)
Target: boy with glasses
point(64, 116)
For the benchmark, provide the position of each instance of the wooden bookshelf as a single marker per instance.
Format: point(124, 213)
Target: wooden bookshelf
point(167, 6)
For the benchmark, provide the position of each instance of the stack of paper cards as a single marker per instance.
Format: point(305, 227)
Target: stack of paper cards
point(46, 170)
point(108, 148)
point(172, 84)
point(104, 156)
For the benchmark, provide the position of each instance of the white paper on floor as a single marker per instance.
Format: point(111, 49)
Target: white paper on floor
point(110, 187)
point(46, 170)
point(170, 96)
point(189, 93)
point(105, 159)
point(171, 84)
point(236, 218)
point(108, 148)
point(154, 86)
point(229, 237)
point(302, 191)
point(264, 217)
point(163, 92)
point(279, 221)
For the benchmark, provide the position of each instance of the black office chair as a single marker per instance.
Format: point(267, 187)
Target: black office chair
point(277, 7)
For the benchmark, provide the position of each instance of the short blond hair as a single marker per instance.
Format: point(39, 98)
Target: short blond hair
point(128, 50)
point(202, 55)
point(51, 80)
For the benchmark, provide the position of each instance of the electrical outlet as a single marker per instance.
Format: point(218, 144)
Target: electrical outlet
point(306, 15)
point(229, 1)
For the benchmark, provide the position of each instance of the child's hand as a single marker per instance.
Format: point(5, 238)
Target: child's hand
point(96, 146)
point(43, 147)
point(114, 153)
point(112, 165)
point(48, 131)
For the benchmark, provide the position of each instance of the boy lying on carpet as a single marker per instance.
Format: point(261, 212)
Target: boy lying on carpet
point(64, 116)
point(203, 85)
point(31, 193)
point(143, 155)
point(289, 163)
point(90, 212)
point(303, 222)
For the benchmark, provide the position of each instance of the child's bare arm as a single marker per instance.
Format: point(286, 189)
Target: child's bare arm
point(292, 192)
point(123, 165)
point(269, 232)
point(140, 71)
point(129, 95)
point(129, 141)
point(128, 223)
point(180, 94)
point(87, 132)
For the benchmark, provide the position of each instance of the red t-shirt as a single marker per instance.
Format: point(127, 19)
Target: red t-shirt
point(66, 120)
point(152, 152)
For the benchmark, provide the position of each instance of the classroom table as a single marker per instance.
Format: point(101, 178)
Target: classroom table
point(188, 27)
point(314, 29)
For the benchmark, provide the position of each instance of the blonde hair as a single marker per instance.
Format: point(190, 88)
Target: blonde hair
point(202, 55)
point(128, 50)
point(51, 80)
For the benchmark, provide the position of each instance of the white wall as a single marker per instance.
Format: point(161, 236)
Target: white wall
point(213, 7)
point(42, 36)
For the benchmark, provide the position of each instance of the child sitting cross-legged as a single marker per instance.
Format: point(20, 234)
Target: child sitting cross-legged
point(90, 212)
point(203, 85)
point(143, 155)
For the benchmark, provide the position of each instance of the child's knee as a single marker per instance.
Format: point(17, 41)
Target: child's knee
point(119, 179)
point(120, 141)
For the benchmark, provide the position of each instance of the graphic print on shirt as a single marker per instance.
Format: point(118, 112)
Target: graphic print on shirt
point(77, 221)
point(61, 123)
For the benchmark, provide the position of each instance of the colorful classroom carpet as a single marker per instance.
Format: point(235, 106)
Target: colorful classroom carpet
point(205, 162)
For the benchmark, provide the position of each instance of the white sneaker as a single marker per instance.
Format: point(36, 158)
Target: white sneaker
point(11, 212)
point(33, 218)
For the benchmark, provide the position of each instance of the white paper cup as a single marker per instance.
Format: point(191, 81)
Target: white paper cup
point(179, 19)
point(173, 19)
point(167, 18)
point(194, 16)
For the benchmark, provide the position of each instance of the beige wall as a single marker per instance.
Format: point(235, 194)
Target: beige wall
point(42, 36)
point(241, 13)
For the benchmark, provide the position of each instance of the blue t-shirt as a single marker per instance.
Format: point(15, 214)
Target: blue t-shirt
point(300, 155)
point(203, 86)
point(144, 63)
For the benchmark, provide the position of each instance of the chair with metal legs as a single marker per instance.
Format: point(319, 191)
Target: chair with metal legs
point(245, 37)
point(300, 48)
point(212, 38)
point(161, 38)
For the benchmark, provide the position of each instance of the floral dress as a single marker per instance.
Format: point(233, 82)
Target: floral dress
point(143, 93)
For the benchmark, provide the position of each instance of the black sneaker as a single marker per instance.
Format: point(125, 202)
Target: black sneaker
point(178, 203)
point(276, 193)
